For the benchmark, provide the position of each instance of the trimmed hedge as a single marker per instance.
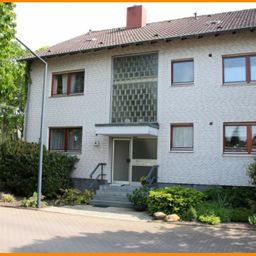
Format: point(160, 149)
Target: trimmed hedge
point(19, 169)
point(173, 199)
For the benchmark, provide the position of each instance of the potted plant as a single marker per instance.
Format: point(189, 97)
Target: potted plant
point(139, 198)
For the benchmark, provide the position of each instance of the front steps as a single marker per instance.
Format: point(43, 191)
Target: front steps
point(113, 196)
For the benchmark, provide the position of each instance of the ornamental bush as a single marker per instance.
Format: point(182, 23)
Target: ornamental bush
point(173, 200)
point(209, 219)
point(251, 171)
point(213, 208)
point(231, 197)
point(19, 169)
point(72, 196)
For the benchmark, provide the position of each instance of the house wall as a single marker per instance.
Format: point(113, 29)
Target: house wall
point(207, 100)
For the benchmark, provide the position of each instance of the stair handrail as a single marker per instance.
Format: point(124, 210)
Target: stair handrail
point(151, 178)
point(101, 174)
point(96, 168)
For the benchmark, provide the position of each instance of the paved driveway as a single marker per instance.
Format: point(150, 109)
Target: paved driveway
point(36, 231)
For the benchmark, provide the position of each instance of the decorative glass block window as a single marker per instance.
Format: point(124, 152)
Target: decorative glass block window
point(183, 71)
point(240, 137)
point(68, 83)
point(182, 137)
point(239, 69)
point(65, 139)
point(134, 92)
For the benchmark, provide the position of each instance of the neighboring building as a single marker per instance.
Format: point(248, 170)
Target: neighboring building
point(180, 94)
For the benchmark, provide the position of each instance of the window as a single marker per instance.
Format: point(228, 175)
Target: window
point(183, 71)
point(65, 139)
point(239, 137)
point(239, 69)
point(182, 137)
point(68, 83)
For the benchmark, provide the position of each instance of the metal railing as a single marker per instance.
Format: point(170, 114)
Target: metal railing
point(101, 174)
point(151, 178)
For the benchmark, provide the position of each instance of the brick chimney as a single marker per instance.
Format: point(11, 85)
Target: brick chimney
point(136, 17)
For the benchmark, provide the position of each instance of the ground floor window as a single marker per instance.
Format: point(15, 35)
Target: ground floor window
point(65, 139)
point(182, 136)
point(240, 137)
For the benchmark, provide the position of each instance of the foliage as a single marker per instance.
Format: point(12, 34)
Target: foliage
point(139, 196)
point(251, 171)
point(231, 196)
point(240, 214)
point(7, 198)
point(209, 219)
point(173, 199)
point(211, 208)
point(12, 76)
point(252, 219)
point(73, 196)
point(19, 169)
point(190, 214)
point(32, 201)
point(143, 181)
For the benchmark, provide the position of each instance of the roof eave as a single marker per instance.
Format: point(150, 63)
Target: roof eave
point(155, 40)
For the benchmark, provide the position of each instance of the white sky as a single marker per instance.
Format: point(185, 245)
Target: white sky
point(45, 24)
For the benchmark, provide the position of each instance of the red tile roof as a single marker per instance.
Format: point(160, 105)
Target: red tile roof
point(165, 30)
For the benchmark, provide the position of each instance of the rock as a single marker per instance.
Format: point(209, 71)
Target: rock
point(172, 218)
point(159, 215)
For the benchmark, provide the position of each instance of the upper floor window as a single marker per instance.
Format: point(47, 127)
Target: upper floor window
point(65, 139)
point(182, 137)
point(240, 137)
point(183, 71)
point(68, 83)
point(239, 69)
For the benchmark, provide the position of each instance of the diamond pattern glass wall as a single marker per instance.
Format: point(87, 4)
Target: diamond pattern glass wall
point(134, 96)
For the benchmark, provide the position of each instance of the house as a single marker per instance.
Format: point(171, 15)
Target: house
point(177, 94)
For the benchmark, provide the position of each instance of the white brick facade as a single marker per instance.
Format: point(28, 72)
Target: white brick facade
point(207, 100)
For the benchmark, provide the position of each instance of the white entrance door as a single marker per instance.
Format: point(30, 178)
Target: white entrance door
point(121, 160)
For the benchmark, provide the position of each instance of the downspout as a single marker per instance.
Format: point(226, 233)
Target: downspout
point(25, 136)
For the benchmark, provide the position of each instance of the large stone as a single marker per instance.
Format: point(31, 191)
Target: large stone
point(172, 218)
point(159, 215)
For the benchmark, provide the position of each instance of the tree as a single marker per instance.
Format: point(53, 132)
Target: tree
point(12, 76)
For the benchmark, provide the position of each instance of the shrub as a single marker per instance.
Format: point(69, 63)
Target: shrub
point(240, 214)
point(217, 195)
point(209, 219)
point(7, 198)
point(19, 169)
point(252, 219)
point(208, 208)
point(139, 197)
point(251, 171)
point(73, 196)
point(32, 201)
point(231, 196)
point(190, 214)
point(173, 200)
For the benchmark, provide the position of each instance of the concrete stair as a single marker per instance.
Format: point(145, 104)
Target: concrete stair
point(112, 196)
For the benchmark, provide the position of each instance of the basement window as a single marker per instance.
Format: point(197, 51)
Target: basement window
point(65, 84)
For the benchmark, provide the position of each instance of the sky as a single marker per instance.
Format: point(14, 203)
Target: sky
point(46, 24)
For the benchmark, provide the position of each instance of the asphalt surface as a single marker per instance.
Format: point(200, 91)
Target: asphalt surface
point(23, 230)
